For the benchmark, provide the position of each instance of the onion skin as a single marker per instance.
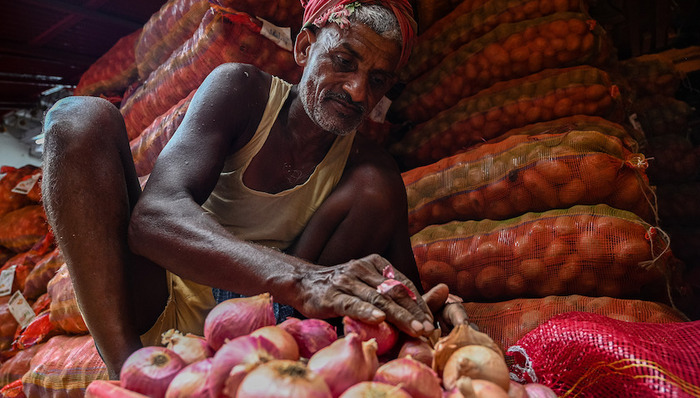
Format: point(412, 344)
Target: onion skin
point(283, 340)
point(191, 348)
point(418, 379)
point(109, 389)
point(310, 334)
point(375, 389)
point(149, 370)
point(460, 336)
point(487, 389)
point(385, 334)
point(282, 378)
point(237, 317)
point(191, 382)
point(418, 349)
point(241, 350)
point(477, 362)
point(536, 390)
point(517, 390)
point(342, 364)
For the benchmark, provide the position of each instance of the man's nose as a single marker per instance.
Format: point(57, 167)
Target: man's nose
point(356, 86)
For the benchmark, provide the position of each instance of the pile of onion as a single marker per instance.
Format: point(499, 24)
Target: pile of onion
point(150, 370)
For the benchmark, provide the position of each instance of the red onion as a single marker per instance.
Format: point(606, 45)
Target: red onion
point(341, 364)
point(487, 389)
point(284, 341)
point(149, 370)
point(385, 334)
point(418, 349)
point(536, 390)
point(282, 378)
point(96, 389)
point(191, 382)
point(241, 350)
point(375, 389)
point(236, 376)
point(237, 317)
point(189, 347)
point(310, 334)
point(418, 379)
point(516, 390)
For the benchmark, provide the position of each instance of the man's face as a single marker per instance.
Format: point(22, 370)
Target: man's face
point(346, 73)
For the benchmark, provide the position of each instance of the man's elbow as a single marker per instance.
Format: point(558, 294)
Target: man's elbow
point(141, 232)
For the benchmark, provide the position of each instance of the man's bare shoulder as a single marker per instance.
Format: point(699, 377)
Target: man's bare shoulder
point(236, 81)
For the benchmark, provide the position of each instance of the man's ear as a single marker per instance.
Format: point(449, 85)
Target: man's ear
point(302, 45)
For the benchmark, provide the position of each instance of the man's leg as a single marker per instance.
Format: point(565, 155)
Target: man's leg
point(90, 187)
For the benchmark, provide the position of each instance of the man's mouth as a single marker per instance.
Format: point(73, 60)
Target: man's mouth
point(345, 106)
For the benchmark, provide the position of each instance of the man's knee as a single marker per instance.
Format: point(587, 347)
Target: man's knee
point(76, 122)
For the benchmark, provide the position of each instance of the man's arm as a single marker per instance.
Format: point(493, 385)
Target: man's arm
point(169, 227)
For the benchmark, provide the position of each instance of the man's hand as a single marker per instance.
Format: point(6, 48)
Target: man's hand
point(351, 289)
point(448, 308)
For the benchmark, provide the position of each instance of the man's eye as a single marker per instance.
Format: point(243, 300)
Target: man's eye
point(342, 61)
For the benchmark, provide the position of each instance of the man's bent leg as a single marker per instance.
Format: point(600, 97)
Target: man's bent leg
point(90, 187)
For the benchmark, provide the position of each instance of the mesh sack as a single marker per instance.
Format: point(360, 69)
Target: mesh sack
point(113, 72)
point(5, 254)
point(15, 367)
point(544, 96)
point(588, 250)
point(24, 263)
point(65, 313)
point(659, 115)
point(283, 13)
point(510, 51)
point(222, 36)
point(9, 200)
point(63, 367)
point(13, 390)
point(571, 123)
point(678, 204)
point(147, 146)
point(470, 20)
point(40, 275)
point(589, 355)
point(8, 325)
point(651, 74)
point(507, 321)
point(42, 303)
point(22, 228)
point(39, 330)
point(674, 159)
point(528, 173)
point(165, 31)
point(427, 12)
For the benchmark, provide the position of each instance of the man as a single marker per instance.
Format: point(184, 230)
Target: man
point(264, 187)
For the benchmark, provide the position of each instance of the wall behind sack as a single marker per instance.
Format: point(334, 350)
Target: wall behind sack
point(15, 153)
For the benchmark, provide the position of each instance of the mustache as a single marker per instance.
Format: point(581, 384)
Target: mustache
point(345, 97)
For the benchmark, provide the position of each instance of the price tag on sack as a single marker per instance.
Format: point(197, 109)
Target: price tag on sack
point(280, 36)
point(25, 186)
point(6, 278)
point(380, 110)
point(21, 310)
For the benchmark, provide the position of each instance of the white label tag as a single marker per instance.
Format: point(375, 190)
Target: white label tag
point(21, 310)
point(280, 36)
point(25, 186)
point(634, 121)
point(6, 278)
point(378, 114)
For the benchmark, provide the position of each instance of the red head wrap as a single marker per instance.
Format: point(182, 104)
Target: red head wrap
point(319, 12)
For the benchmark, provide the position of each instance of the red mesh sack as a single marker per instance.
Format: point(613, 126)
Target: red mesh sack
point(589, 355)
point(42, 303)
point(39, 277)
point(510, 51)
point(39, 330)
point(13, 390)
point(651, 74)
point(283, 13)
point(15, 367)
point(165, 31)
point(63, 367)
point(544, 96)
point(5, 254)
point(147, 146)
point(9, 200)
point(587, 250)
point(470, 20)
point(24, 263)
point(222, 36)
point(65, 312)
point(507, 321)
point(22, 228)
point(8, 325)
point(528, 173)
point(113, 72)
point(674, 159)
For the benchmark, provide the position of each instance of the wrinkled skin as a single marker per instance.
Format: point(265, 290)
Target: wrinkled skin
point(118, 241)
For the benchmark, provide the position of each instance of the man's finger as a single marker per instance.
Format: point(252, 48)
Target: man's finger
point(435, 298)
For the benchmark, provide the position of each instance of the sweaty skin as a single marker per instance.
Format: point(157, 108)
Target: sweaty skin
point(118, 241)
